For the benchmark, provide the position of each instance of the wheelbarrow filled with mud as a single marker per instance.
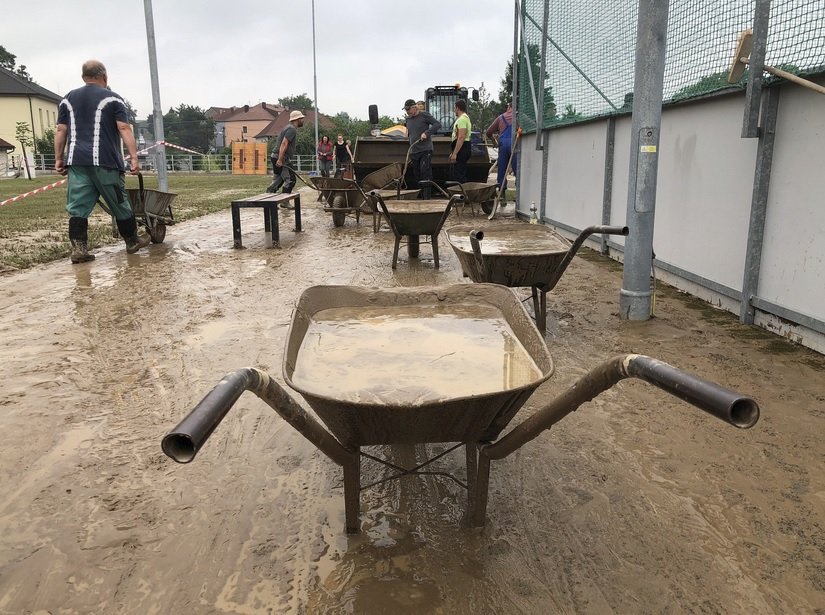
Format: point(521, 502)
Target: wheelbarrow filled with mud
point(410, 219)
point(152, 209)
point(520, 255)
point(445, 364)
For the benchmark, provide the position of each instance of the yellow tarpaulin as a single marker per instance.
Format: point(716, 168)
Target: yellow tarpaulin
point(395, 131)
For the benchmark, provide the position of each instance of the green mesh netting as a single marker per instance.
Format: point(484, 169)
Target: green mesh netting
point(591, 48)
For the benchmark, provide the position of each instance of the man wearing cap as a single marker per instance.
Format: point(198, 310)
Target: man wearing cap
point(282, 155)
point(420, 128)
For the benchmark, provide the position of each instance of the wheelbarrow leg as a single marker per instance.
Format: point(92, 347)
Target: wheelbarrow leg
point(395, 251)
point(471, 451)
point(236, 226)
point(413, 244)
point(352, 493)
point(540, 307)
point(434, 242)
point(478, 511)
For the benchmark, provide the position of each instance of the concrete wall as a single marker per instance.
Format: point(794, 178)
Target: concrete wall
point(703, 208)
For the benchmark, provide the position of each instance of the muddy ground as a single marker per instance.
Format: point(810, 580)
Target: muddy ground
point(637, 503)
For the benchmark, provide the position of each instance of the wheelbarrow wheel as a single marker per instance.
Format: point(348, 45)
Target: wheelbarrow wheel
point(157, 234)
point(339, 201)
point(487, 207)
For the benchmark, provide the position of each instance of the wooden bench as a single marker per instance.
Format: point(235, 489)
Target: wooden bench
point(270, 203)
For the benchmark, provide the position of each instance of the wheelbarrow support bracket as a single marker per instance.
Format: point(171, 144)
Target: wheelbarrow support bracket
point(184, 441)
point(727, 405)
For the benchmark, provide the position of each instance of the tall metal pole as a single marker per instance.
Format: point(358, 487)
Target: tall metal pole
point(157, 112)
point(514, 93)
point(635, 297)
point(514, 97)
point(315, 86)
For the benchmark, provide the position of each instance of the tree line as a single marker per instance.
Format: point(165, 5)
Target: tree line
point(188, 125)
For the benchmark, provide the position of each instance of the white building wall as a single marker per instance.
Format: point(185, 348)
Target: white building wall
point(577, 155)
point(793, 254)
point(704, 193)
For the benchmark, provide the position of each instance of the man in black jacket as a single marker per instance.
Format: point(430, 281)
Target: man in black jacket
point(421, 126)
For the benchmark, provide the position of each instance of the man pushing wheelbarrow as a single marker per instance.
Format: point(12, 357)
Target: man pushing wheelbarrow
point(93, 120)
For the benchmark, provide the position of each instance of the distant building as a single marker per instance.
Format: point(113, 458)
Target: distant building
point(274, 128)
point(6, 148)
point(25, 101)
point(240, 124)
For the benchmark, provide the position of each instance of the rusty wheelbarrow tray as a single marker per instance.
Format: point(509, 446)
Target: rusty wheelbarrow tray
point(343, 197)
point(418, 404)
point(520, 255)
point(411, 219)
point(475, 193)
point(387, 181)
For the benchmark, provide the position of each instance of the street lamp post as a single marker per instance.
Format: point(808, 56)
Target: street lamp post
point(315, 86)
point(157, 113)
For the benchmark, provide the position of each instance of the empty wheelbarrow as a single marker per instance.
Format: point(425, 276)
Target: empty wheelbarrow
point(425, 364)
point(343, 197)
point(411, 219)
point(152, 209)
point(520, 255)
point(475, 193)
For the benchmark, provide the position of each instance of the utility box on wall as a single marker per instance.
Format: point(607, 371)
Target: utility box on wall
point(249, 158)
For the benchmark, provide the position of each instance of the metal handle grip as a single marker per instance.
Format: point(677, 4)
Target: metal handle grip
point(738, 410)
point(607, 230)
point(185, 440)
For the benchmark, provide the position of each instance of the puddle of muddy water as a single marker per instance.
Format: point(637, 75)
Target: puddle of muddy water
point(412, 355)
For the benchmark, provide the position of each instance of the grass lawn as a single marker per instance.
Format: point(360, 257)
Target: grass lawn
point(35, 229)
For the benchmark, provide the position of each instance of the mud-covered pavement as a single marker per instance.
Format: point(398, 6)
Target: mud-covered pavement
point(637, 503)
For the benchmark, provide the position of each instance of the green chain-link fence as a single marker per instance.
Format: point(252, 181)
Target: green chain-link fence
point(591, 48)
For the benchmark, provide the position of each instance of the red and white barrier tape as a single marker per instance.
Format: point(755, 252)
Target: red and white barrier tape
point(183, 149)
point(167, 144)
point(35, 191)
point(63, 181)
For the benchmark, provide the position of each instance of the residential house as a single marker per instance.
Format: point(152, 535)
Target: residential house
point(5, 149)
point(218, 115)
point(241, 124)
point(22, 100)
point(274, 128)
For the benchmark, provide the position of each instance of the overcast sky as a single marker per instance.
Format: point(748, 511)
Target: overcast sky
point(240, 52)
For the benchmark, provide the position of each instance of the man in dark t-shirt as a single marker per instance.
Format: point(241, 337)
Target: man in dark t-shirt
point(282, 155)
point(92, 120)
point(421, 126)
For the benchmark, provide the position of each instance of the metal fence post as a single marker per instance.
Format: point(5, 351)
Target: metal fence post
point(607, 186)
point(753, 93)
point(651, 45)
point(759, 205)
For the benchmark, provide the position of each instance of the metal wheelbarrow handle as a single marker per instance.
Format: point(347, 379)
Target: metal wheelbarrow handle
point(730, 406)
point(185, 440)
point(733, 408)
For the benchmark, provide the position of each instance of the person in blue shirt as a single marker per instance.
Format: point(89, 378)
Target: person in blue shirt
point(503, 127)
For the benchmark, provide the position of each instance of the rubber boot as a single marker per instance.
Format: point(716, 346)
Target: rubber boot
point(79, 238)
point(128, 230)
